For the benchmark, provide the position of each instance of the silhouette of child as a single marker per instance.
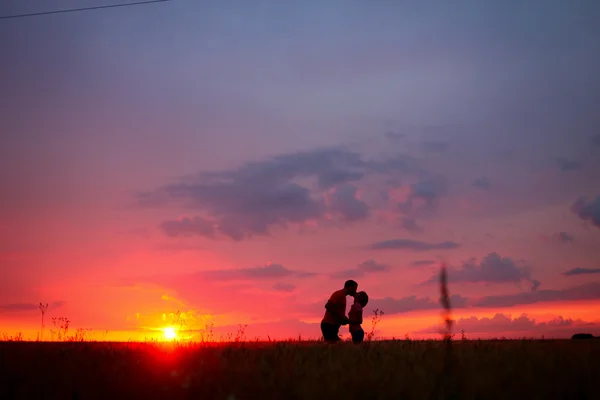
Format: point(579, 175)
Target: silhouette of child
point(355, 315)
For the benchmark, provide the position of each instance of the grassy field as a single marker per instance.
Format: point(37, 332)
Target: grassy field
point(500, 369)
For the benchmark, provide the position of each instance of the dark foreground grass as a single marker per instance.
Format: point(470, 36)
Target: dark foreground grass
point(529, 369)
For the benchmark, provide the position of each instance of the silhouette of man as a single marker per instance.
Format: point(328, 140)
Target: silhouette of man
point(335, 312)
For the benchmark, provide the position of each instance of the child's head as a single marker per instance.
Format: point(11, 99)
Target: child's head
point(362, 298)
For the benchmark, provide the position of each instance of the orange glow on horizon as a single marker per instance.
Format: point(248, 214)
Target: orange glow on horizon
point(200, 326)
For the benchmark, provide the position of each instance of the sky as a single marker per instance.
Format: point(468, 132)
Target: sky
point(237, 161)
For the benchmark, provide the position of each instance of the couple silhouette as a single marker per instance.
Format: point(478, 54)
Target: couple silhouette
point(335, 314)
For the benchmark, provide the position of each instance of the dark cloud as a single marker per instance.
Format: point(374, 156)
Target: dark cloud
point(394, 135)
point(595, 140)
point(560, 237)
point(503, 154)
point(415, 245)
point(264, 272)
point(188, 227)
point(412, 303)
point(590, 291)
point(492, 269)
point(343, 201)
point(371, 266)
point(581, 271)
point(391, 305)
point(481, 183)
point(284, 287)
point(16, 307)
point(421, 263)
point(410, 224)
point(366, 267)
point(287, 189)
point(338, 176)
point(435, 146)
point(423, 196)
point(564, 237)
point(271, 271)
point(588, 211)
point(566, 165)
point(428, 190)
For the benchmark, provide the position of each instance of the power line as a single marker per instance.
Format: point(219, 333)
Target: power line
point(83, 9)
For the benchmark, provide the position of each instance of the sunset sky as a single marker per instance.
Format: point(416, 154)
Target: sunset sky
point(238, 160)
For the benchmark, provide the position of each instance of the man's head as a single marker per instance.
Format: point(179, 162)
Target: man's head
point(350, 287)
point(362, 298)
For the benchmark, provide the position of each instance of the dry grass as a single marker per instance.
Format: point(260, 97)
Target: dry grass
point(301, 370)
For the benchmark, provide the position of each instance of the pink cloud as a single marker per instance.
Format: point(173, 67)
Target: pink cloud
point(491, 269)
point(505, 325)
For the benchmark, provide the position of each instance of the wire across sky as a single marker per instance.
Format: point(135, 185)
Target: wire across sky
point(69, 10)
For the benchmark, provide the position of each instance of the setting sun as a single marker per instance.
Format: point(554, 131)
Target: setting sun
point(170, 333)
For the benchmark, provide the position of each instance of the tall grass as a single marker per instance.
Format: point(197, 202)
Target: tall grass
point(532, 369)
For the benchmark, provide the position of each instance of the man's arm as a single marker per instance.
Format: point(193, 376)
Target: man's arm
point(330, 306)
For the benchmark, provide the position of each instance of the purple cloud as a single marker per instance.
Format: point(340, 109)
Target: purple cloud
point(566, 165)
point(188, 227)
point(595, 140)
point(588, 211)
point(492, 269)
point(564, 237)
point(272, 271)
point(343, 201)
point(581, 271)
point(423, 196)
point(481, 183)
point(16, 307)
point(435, 146)
point(410, 224)
point(352, 273)
point(371, 266)
point(402, 305)
point(284, 287)
point(366, 267)
point(259, 273)
point(590, 291)
point(412, 303)
point(421, 263)
point(329, 179)
point(394, 136)
point(415, 245)
point(287, 189)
